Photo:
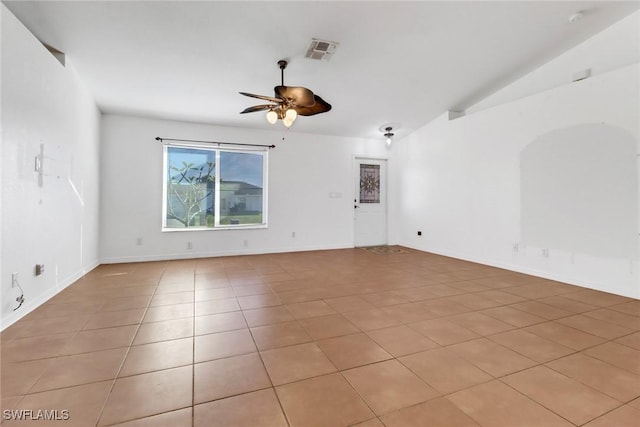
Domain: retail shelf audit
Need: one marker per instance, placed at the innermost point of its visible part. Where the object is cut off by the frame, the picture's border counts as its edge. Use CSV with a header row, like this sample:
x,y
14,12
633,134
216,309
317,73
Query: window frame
x,y
264,152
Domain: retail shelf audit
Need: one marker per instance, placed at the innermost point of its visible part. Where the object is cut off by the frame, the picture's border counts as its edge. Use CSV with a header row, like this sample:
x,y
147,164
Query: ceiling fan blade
x,y
320,106
266,98
258,108
298,96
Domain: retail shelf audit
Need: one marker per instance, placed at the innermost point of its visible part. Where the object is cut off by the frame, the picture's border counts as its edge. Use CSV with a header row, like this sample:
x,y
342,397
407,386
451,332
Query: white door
x,y
370,202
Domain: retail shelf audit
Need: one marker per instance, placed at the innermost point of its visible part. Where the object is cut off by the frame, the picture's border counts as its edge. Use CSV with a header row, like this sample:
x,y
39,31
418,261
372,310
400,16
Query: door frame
x,y
354,169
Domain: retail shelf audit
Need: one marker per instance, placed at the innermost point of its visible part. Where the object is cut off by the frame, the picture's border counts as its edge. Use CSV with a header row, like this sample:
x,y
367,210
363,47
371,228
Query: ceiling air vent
x,y
321,49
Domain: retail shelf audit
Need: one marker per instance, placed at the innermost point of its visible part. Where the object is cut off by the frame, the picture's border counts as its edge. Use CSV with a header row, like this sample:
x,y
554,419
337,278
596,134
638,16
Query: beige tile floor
x,y
327,338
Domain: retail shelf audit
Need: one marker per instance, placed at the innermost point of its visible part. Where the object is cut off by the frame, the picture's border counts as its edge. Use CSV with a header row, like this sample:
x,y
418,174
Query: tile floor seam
x,y
286,417
577,330
140,418
355,390
590,386
66,387
144,417
606,413
493,376
582,350
551,410
573,351
332,290
115,379
92,351
609,363
28,393
306,378
193,354
441,396
548,320
615,340
242,393
444,345
39,376
488,380
613,324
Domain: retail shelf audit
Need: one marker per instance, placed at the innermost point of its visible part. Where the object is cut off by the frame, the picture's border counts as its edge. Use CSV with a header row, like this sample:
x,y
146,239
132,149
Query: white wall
x,y
460,181
55,224
303,171
579,191
616,47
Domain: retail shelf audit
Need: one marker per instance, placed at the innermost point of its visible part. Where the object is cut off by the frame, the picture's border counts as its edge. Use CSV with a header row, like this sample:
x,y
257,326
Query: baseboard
x,y
211,254
521,269
41,299
32,304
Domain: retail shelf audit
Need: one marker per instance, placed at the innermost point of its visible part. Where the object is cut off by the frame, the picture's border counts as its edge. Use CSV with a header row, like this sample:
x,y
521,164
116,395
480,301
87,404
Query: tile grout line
x,y
113,383
470,310
193,354
273,387
544,406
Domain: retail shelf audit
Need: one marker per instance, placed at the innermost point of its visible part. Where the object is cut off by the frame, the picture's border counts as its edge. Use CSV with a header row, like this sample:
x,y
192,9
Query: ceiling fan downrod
x,y
282,64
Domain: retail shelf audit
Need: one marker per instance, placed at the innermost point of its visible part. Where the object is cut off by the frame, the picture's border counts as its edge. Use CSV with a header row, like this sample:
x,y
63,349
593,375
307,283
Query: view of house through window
x,y
211,188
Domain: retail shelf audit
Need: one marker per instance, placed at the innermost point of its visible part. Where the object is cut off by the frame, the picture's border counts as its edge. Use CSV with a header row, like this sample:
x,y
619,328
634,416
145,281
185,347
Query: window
x,y
207,188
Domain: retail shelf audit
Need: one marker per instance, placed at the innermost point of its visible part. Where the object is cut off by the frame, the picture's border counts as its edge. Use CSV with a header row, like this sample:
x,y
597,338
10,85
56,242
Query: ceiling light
x,y
287,122
389,130
272,116
388,134
289,117
291,114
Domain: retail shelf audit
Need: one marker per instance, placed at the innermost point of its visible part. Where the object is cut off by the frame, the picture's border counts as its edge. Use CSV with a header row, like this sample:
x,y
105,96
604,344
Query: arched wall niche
x,y
579,191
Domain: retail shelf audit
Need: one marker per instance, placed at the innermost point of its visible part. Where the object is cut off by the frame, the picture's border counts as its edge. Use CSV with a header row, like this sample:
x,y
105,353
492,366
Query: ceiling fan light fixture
x,y
272,117
291,114
289,102
287,122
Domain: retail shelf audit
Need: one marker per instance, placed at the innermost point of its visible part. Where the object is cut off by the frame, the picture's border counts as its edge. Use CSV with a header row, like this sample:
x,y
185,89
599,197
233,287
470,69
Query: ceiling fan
x,y
289,102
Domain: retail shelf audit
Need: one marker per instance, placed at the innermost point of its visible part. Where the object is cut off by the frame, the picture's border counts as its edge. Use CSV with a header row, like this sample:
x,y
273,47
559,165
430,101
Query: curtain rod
x,y
214,142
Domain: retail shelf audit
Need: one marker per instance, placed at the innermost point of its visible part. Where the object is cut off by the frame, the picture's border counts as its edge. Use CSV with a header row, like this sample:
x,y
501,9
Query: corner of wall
x,y
593,57
48,216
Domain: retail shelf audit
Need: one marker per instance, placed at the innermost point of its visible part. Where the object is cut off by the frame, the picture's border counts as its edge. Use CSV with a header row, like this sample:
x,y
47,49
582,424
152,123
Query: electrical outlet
x,y
14,278
293,234
246,243
39,269
516,247
139,241
545,253
189,245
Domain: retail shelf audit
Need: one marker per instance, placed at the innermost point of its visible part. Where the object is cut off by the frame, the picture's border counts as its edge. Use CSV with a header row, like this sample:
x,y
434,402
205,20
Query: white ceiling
x,y
399,62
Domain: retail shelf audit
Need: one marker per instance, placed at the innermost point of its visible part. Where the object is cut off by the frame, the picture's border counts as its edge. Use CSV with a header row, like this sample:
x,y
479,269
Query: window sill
x,y
220,228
